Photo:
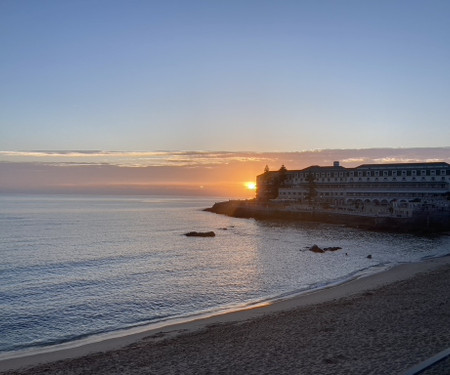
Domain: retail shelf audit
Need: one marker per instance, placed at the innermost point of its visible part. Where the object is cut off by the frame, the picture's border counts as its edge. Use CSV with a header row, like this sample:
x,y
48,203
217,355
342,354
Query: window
x,y
423,173
385,173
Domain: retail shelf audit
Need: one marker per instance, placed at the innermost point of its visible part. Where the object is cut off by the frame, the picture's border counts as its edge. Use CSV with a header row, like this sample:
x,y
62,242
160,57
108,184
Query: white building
x,y
396,187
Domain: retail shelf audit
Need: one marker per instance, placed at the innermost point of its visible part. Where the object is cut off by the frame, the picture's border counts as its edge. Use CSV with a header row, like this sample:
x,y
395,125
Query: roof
x,y
314,168
413,165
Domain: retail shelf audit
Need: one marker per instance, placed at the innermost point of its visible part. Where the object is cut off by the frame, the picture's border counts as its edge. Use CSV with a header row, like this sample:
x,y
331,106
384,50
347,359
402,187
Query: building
x,y
391,187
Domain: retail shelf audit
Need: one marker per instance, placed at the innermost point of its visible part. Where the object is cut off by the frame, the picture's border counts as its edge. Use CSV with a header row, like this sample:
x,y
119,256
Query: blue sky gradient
x,y
224,75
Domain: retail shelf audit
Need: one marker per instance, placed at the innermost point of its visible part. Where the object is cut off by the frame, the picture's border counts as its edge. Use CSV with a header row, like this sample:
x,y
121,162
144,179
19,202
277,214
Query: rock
x,y
316,249
200,234
369,256
334,248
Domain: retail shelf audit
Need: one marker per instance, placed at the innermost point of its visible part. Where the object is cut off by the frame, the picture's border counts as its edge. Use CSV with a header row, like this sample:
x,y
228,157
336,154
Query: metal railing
x,y
430,364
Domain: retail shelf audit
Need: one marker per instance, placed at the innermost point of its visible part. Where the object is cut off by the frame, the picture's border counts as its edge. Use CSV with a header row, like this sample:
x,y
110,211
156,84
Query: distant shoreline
x,y
173,331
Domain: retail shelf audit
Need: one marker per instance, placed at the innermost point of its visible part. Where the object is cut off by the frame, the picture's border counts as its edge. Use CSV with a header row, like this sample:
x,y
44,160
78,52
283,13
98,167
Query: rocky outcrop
x,y
316,249
426,222
333,248
200,234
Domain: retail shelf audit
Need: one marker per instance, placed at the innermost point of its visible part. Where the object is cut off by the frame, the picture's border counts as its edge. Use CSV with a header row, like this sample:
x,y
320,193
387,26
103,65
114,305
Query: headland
x,y
401,197
422,222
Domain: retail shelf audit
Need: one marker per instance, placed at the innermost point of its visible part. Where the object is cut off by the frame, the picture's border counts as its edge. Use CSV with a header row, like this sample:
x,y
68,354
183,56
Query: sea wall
x,y
420,223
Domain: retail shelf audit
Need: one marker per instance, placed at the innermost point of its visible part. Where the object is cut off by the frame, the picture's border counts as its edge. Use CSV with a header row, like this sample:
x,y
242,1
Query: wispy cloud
x,y
217,158
131,158
219,172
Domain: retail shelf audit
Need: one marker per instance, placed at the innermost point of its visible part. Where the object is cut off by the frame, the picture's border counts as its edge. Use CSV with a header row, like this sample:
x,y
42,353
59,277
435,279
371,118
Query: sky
x,y
198,96
224,75
193,173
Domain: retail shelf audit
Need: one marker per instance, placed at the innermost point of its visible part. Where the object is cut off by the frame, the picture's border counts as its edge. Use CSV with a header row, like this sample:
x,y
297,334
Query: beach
x,y
379,324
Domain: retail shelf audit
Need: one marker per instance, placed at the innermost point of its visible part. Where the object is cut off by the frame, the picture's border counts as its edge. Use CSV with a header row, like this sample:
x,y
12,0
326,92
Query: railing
x,y
436,365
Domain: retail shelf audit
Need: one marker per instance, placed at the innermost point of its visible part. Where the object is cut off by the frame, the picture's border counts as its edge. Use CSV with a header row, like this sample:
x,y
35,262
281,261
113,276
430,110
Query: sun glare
x,y
250,185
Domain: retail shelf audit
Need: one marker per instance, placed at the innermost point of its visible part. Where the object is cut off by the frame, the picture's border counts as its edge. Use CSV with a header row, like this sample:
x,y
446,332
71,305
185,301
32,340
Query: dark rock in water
x,y
316,249
223,228
200,234
369,256
333,248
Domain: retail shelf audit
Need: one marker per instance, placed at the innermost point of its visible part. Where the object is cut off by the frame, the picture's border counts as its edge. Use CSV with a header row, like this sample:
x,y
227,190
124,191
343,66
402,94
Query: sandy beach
x,y
379,324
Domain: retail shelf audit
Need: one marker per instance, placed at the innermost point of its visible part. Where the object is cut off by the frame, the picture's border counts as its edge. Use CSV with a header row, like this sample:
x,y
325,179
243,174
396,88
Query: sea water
x,y
77,266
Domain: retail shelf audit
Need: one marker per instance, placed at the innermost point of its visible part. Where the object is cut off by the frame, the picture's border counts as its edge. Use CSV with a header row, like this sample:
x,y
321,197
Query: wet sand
x,y
380,324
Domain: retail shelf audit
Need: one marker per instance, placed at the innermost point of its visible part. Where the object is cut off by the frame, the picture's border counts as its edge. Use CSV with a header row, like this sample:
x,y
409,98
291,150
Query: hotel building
x,y
383,185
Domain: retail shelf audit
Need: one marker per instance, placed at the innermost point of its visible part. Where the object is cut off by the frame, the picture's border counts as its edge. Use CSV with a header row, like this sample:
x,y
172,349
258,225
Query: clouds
x,y
179,172
192,159
133,158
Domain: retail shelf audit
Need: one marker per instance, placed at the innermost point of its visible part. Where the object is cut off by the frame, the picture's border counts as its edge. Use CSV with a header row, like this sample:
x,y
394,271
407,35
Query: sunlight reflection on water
x,y
76,266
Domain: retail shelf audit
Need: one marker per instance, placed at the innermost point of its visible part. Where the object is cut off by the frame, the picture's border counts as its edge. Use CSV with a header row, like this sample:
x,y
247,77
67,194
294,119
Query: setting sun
x,y
250,185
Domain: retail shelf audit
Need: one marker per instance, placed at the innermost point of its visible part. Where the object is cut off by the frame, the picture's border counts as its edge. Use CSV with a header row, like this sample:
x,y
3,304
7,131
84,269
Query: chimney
x,y
336,164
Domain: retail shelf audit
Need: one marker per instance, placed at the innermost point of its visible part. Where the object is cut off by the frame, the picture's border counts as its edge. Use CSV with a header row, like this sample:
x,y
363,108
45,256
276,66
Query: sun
x,y
250,185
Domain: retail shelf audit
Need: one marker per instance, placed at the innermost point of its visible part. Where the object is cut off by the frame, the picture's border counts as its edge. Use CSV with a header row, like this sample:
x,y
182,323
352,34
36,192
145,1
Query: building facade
x,y
387,185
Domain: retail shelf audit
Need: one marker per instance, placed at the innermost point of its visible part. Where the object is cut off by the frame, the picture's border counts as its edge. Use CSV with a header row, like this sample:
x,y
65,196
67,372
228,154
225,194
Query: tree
x,y
282,175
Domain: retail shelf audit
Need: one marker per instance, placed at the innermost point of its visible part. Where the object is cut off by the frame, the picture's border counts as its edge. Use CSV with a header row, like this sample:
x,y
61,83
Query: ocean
x,y
73,267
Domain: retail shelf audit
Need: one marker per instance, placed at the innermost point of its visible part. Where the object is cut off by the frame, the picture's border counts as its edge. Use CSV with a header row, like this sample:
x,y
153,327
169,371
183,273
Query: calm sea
x,y
77,266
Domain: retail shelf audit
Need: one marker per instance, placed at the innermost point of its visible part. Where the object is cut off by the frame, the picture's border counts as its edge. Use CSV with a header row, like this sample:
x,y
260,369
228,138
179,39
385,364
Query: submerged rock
x,y
316,249
333,248
200,234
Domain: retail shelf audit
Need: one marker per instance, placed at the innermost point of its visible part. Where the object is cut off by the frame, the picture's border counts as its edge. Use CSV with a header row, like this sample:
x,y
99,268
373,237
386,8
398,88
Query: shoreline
x,y
121,340
420,223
